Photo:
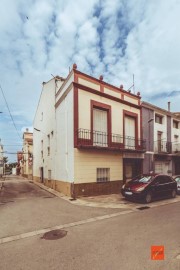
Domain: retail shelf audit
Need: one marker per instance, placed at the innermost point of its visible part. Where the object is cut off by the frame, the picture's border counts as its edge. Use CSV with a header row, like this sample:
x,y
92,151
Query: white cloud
x,y
114,38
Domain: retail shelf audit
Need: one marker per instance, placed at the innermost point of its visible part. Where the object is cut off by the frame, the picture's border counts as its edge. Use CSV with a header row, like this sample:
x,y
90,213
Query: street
x,y
94,237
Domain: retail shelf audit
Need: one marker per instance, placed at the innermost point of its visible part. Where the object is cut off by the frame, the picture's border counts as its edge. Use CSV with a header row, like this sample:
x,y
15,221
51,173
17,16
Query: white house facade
x,y
87,135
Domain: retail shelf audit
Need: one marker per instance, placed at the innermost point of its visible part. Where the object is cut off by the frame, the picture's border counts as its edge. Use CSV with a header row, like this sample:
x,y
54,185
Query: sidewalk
x,y
104,201
116,201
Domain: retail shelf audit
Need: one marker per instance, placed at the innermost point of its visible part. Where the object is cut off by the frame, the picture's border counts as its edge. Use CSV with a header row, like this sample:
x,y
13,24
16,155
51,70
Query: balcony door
x,y
159,139
100,127
129,132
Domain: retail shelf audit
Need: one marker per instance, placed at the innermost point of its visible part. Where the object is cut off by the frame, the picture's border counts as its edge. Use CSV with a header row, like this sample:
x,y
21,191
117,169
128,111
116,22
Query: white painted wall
x,y
65,85
45,122
175,132
160,127
65,139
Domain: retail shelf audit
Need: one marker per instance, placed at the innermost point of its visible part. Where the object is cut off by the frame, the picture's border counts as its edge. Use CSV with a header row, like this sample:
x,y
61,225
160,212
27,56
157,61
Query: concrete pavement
x,y
116,201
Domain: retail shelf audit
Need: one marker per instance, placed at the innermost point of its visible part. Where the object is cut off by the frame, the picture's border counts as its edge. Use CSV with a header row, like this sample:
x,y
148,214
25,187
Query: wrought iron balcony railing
x,y
162,147
175,148
95,139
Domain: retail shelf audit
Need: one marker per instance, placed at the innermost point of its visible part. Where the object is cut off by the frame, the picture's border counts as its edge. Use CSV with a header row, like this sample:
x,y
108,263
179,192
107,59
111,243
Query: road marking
x,y
69,225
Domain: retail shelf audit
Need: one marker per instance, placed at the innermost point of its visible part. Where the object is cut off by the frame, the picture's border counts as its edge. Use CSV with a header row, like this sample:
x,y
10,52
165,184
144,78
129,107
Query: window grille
x,y
103,175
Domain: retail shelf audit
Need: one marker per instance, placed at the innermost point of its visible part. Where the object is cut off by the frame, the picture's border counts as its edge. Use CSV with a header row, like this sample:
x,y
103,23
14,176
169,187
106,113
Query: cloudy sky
x,y
115,38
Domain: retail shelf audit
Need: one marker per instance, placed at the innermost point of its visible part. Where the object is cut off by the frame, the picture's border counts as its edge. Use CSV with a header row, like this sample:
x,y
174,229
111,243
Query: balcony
x,y
162,147
101,140
176,148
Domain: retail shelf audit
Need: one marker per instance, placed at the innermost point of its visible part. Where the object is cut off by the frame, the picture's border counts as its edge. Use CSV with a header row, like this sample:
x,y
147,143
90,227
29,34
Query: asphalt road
x,y
119,242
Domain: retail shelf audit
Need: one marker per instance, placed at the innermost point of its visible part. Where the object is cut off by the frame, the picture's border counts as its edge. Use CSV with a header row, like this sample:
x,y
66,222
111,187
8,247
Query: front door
x,y
131,168
42,174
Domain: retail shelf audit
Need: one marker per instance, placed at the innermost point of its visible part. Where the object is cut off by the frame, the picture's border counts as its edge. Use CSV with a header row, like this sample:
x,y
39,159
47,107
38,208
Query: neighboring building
x,y
27,158
19,162
87,135
161,128
1,159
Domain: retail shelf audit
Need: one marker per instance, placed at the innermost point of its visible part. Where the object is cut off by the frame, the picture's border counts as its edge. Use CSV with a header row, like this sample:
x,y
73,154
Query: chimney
x,y
169,106
27,129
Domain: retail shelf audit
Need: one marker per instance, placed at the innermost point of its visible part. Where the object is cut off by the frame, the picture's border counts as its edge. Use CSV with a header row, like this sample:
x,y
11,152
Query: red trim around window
x,y
104,107
135,117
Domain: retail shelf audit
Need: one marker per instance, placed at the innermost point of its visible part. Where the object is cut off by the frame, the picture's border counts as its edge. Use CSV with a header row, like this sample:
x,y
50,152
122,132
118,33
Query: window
x,y
130,132
175,124
158,119
41,154
163,179
100,132
48,150
103,175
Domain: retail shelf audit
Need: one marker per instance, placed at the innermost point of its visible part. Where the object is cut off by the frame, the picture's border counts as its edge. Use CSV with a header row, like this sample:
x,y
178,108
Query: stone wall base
x,y
84,189
93,189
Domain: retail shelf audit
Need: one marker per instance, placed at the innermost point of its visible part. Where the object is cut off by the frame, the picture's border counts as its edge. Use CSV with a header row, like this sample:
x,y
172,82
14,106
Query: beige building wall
x,y
86,163
112,93
84,99
131,99
93,85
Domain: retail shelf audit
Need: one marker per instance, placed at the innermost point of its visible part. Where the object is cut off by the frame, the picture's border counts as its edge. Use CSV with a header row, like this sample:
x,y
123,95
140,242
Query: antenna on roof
x,y
132,86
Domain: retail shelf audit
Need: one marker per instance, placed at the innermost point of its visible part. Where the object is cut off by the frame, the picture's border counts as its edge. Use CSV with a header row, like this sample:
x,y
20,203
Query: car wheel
x,y
148,197
173,193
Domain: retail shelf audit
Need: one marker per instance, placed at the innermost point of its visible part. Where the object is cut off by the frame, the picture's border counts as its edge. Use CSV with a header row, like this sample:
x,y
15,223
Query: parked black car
x,y
147,187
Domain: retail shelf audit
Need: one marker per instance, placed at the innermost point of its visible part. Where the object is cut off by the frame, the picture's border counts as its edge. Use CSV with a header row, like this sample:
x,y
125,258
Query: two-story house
x,y
161,128
97,136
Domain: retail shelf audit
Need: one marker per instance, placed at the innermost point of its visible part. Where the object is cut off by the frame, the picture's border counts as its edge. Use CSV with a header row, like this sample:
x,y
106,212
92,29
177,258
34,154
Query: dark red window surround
x,y
135,117
105,107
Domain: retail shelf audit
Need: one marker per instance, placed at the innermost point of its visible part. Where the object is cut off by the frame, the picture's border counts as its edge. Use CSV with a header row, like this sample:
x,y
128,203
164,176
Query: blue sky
x,y
114,38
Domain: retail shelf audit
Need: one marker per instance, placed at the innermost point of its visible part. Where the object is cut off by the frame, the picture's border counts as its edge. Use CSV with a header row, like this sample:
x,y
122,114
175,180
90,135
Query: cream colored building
x,y
87,135
27,155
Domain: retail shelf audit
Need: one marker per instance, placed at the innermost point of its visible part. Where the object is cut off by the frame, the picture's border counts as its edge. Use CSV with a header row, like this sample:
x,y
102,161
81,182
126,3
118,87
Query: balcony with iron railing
x,y
97,139
164,147
175,148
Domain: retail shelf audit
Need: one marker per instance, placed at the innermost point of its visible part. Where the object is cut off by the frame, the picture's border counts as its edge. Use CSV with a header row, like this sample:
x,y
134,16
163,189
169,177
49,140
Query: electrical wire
x,y
10,112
